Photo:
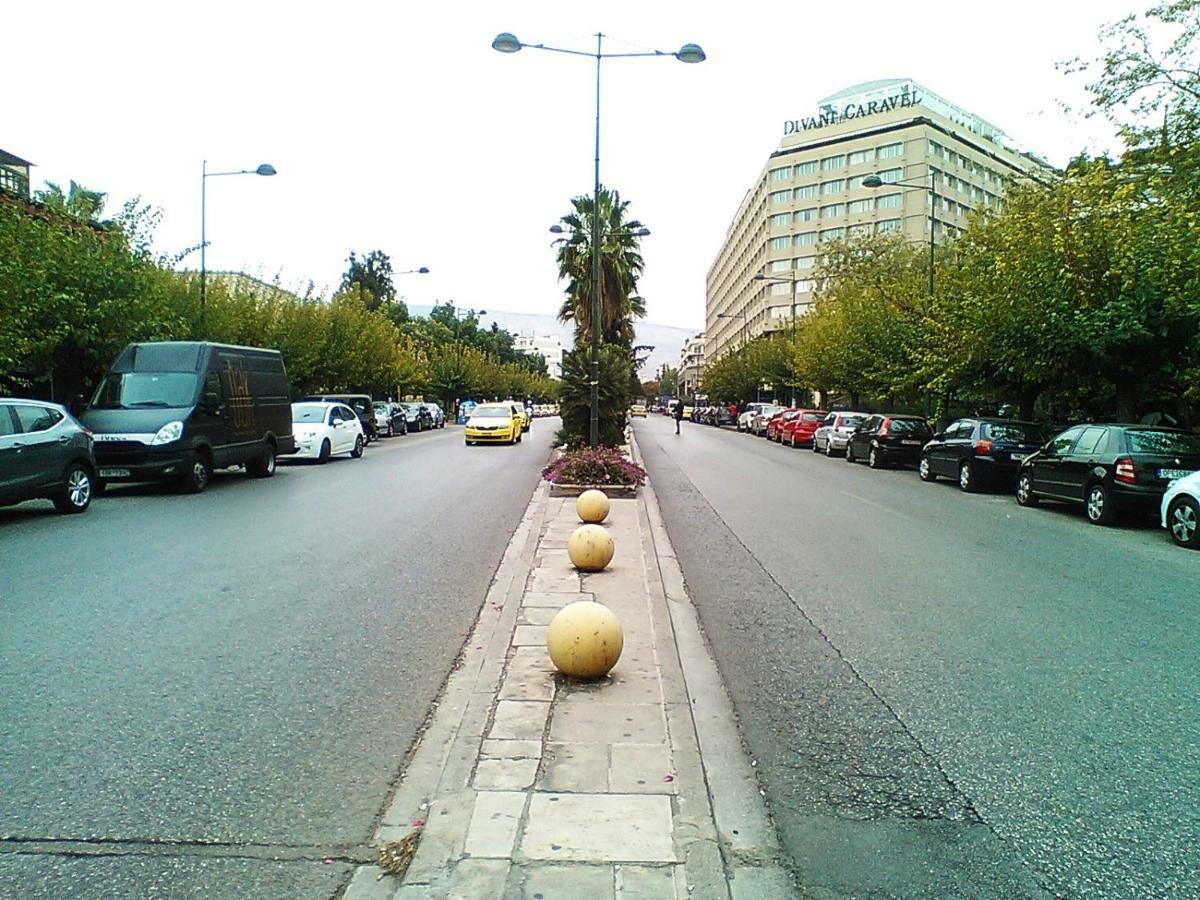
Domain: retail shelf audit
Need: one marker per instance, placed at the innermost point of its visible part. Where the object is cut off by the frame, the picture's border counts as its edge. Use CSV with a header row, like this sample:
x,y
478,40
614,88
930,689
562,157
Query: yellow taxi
x,y
638,409
687,412
494,423
526,415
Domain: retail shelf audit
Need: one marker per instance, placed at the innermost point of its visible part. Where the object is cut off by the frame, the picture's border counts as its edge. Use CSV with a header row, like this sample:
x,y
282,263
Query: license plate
x,y
1174,474
911,443
1018,457
114,473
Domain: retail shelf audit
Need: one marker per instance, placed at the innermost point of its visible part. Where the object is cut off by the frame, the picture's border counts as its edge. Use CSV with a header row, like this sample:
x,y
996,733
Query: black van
x,y
176,410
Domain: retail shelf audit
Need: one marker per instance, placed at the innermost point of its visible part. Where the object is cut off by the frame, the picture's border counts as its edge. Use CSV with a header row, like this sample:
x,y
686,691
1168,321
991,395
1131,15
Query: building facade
x,y
14,174
811,190
549,347
691,366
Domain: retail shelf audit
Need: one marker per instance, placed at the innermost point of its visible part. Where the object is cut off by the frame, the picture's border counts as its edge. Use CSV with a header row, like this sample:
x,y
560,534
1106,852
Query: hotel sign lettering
x,y
831,116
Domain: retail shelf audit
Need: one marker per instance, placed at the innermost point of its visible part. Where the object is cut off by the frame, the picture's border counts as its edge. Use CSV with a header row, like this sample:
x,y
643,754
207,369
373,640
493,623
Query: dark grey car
x,y
44,454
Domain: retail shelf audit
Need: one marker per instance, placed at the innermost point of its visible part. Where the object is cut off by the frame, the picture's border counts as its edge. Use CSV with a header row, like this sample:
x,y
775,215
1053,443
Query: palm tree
x,y
620,267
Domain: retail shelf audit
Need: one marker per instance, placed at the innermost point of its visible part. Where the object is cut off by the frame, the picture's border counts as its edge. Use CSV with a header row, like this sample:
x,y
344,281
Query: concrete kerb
x,y
749,844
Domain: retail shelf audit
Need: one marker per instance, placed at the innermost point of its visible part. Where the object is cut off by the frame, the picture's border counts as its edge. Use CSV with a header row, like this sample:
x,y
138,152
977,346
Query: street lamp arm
x,y
598,55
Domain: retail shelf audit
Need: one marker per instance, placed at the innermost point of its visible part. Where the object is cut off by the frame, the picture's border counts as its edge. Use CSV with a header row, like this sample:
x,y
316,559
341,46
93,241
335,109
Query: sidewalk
x,y
527,784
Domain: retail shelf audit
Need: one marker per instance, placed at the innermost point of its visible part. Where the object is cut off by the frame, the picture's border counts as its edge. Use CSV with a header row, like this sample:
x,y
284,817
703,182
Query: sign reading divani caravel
x,y
830,116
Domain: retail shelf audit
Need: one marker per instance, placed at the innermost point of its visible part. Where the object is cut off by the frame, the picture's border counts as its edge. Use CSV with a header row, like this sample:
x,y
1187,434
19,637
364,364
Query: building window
x,y
891,151
781,220
781,243
779,197
806,239
833,187
883,226
832,234
833,163
783,174
962,210
806,190
890,176
862,206
860,230
807,168
780,288
806,215
780,265
858,157
855,182
805,262
833,210
806,286
889,201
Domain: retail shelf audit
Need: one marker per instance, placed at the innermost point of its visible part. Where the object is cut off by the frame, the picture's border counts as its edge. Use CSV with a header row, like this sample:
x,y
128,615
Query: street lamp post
x,y
688,53
264,169
734,316
470,313
791,279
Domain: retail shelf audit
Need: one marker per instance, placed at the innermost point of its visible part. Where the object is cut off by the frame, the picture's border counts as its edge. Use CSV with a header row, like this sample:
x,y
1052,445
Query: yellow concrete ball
x,y
592,506
591,548
585,639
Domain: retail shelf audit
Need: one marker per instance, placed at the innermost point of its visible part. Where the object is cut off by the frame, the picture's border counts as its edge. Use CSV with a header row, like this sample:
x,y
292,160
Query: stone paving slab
x,y
599,828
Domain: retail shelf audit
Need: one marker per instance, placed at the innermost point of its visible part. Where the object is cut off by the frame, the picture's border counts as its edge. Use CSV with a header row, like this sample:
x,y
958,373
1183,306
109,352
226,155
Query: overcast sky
x,y
394,125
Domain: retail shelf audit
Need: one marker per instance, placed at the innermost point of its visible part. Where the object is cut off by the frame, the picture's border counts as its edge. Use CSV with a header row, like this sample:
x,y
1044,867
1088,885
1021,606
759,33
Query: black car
x,y
176,410
419,418
888,440
44,454
363,406
390,419
1109,469
723,416
976,452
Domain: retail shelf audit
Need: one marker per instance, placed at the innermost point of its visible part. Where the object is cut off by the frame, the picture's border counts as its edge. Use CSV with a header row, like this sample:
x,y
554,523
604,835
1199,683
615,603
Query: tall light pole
x,y
791,279
264,169
745,321
688,53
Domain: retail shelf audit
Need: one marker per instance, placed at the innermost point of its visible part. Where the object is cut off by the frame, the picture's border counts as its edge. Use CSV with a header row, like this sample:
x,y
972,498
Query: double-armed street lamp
x,y
792,280
745,321
264,169
688,53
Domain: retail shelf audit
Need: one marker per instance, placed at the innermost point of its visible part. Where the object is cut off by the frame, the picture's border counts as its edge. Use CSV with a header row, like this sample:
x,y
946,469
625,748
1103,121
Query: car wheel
x,y
264,465
925,470
849,454
197,475
1025,494
1100,510
966,477
1183,518
323,454
357,452
76,493
875,458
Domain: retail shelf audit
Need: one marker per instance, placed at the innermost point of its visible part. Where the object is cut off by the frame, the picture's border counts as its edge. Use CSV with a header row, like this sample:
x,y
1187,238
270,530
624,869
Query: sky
x,y
395,126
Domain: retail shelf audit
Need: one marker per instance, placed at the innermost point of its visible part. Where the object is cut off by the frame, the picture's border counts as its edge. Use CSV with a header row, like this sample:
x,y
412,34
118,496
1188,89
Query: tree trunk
x,y
1029,396
1126,399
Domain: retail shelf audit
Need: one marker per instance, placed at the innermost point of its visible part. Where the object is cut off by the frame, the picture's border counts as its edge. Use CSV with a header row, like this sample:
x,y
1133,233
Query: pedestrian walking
x,y
678,414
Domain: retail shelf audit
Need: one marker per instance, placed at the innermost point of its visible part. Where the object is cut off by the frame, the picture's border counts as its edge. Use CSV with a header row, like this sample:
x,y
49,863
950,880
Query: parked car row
x,y
175,411
1106,469
714,415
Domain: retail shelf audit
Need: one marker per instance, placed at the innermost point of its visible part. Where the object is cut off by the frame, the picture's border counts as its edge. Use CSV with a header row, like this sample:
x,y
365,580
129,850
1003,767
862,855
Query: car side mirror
x,y
337,422
212,401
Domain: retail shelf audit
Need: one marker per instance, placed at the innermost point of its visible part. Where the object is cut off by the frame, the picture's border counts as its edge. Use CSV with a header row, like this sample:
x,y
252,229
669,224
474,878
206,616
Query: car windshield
x,y
788,416
312,413
1163,442
492,412
381,408
813,417
907,426
142,390
1016,433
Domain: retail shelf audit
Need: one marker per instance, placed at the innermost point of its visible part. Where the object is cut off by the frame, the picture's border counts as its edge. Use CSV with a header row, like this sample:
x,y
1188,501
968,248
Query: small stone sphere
x,y
585,639
592,506
591,548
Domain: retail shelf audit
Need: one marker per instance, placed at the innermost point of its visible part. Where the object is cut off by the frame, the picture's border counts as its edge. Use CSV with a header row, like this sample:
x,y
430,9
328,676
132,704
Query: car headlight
x,y
172,431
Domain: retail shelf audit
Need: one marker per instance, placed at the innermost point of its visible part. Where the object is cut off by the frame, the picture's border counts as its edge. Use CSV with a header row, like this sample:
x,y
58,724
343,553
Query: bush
x,y
598,467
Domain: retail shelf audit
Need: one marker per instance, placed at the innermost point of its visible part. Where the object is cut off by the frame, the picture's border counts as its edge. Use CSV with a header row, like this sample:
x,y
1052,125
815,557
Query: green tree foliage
x,y
373,274
615,395
742,375
77,201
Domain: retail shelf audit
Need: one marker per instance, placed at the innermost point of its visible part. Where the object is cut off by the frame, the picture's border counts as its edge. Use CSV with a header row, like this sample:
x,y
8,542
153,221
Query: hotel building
x,y
811,191
691,367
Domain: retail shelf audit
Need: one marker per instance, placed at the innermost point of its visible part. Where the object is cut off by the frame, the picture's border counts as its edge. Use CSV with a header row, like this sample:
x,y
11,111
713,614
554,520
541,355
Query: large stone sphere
x,y
585,639
591,548
592,506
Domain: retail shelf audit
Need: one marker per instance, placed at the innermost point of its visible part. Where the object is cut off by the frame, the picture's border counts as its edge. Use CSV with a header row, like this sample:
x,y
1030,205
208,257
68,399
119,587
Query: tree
x,y
373,273
620,267
77,202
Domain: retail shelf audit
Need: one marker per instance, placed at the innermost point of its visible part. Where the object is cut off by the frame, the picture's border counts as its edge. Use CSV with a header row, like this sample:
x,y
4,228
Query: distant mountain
x,y
667,340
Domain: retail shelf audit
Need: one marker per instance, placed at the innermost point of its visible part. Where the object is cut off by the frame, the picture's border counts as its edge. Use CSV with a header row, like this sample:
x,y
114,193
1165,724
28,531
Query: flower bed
x,y
588,468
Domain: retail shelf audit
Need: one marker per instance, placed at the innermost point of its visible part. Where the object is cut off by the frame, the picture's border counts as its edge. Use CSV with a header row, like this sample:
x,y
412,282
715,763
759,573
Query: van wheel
x,y
197,475
357,452
76,492
264,465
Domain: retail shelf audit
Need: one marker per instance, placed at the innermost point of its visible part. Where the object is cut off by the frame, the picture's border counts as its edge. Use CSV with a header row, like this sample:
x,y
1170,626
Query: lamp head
x,y
482,312
265,169
556,229
759,277
872,181
506,43
423,270
690,53
642,232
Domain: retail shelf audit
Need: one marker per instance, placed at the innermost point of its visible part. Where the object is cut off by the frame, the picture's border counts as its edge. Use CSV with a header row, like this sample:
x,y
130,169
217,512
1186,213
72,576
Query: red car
x,y
798,431
777,421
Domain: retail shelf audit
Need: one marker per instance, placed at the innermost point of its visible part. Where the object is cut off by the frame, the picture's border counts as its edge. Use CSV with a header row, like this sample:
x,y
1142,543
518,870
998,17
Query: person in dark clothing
x,y
678,414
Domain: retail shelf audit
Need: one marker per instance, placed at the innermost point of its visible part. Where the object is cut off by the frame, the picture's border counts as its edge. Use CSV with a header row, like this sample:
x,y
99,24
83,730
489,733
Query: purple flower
x,y
594,467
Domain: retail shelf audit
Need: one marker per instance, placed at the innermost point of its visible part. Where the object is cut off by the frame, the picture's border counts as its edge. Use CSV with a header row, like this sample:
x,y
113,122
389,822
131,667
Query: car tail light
x,y
983,448
1125,471
883,429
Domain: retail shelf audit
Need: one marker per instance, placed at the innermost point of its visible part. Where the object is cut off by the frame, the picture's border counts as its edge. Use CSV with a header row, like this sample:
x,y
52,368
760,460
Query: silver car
x,y
834,433
758,422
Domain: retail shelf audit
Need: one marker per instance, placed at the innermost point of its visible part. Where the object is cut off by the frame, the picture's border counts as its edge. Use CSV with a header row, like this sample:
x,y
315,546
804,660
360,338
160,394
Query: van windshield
x,y
145,390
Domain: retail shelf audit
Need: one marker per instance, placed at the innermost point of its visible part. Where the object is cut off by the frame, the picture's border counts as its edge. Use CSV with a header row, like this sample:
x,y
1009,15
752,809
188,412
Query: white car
x,y
747,416
834,433
1181,511
325,429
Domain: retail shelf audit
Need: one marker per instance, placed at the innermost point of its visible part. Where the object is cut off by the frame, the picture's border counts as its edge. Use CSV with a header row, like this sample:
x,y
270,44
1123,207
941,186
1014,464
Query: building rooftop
x,y
11,159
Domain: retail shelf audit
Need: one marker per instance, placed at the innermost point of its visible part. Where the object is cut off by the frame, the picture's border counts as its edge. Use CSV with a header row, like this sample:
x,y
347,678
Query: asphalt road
x,y
212,695
946,694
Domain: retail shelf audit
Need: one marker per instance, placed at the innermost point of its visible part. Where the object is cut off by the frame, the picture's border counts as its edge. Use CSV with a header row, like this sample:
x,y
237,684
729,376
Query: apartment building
x,y
811,190
548,346
691,366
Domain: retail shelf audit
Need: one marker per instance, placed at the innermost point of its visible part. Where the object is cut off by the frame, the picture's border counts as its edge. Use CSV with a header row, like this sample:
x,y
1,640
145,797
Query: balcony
x,y
14,182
